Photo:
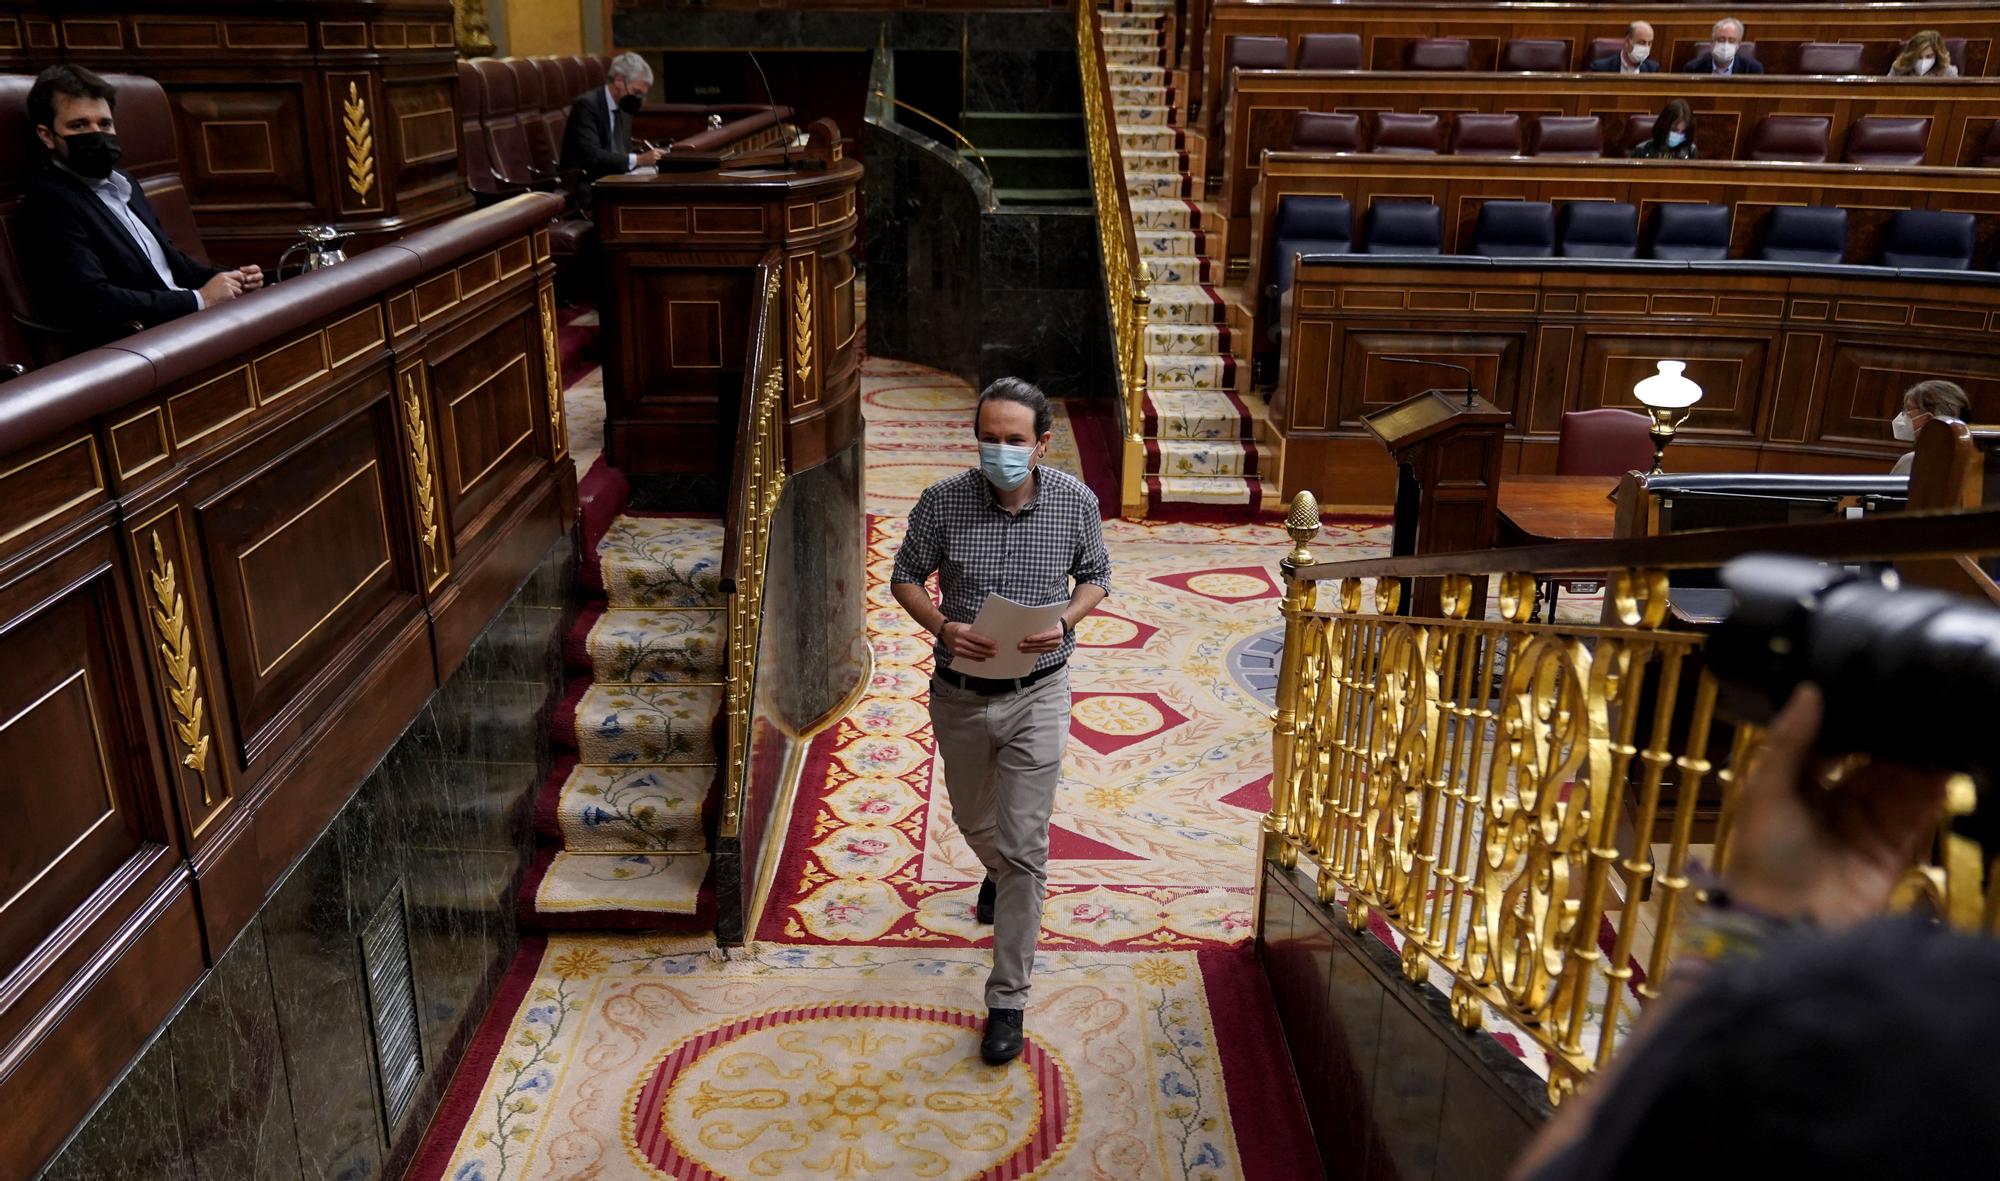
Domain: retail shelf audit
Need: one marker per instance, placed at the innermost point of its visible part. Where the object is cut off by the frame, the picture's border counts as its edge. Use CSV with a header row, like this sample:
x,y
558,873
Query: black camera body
x,y
1911,676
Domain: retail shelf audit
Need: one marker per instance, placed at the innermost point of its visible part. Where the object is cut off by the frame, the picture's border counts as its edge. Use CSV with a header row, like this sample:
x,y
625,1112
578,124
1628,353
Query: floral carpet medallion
x,y
636,1057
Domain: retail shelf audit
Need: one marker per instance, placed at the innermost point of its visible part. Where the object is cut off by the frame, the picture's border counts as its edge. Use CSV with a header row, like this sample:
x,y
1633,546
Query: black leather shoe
x,y
983,912
1002,1043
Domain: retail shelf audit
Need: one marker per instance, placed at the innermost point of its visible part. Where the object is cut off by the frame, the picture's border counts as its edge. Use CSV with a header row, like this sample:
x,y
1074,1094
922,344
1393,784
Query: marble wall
x,y
1042,301
267,1072
921,226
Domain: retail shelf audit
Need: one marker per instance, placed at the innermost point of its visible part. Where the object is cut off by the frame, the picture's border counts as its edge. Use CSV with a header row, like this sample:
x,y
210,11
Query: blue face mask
x,y
1676,138
1004,464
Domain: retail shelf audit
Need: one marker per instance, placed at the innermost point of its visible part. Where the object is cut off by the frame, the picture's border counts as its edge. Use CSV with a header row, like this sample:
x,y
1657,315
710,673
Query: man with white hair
x,y
1724,55
598,139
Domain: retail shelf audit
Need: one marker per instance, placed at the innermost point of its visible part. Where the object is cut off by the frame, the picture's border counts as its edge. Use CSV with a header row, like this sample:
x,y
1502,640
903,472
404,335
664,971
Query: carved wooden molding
x,y
416,435
360,133
177,657
802,324
558,430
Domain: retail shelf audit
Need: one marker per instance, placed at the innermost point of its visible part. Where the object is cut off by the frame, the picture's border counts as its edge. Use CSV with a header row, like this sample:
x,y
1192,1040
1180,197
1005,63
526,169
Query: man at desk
x,y
98,259
598,138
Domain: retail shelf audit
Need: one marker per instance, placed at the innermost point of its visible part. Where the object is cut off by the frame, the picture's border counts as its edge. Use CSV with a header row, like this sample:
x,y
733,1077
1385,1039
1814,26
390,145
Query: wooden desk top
x,y
1538,509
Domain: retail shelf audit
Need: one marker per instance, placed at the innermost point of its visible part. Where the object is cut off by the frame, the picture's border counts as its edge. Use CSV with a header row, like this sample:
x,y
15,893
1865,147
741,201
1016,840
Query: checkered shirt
x,y
959,532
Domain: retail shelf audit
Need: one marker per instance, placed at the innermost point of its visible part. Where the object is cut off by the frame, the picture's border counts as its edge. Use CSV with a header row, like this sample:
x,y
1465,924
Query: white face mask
x,y
1904,430
1723,52
1639,53
1925,63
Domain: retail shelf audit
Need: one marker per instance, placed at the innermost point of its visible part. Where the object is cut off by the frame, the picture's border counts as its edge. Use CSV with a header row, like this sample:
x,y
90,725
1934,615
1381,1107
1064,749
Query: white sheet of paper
x,y
1007,623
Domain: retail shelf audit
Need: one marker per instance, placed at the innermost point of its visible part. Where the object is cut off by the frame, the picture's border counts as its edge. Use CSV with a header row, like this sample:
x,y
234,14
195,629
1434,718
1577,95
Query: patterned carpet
x,y
1201,422
844,1041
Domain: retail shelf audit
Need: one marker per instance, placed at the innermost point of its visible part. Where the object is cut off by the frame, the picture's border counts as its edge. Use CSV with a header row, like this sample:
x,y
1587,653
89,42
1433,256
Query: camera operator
x,y
1801,1035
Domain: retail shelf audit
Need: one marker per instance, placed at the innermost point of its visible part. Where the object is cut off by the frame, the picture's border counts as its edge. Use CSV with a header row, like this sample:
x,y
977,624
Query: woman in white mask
x,y
1924,56
1922,402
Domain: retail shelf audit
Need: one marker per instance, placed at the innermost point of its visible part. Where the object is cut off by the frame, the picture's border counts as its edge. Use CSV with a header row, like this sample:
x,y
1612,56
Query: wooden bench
x,y
1388,30
1962,112
1802,368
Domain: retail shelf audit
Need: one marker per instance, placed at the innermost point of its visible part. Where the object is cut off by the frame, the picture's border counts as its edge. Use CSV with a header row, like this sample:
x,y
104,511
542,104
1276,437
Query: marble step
x,y
662,562
1176,304
578,884
1197,414
647,723
1181,372
643,645
1024,129
644,809
1221,457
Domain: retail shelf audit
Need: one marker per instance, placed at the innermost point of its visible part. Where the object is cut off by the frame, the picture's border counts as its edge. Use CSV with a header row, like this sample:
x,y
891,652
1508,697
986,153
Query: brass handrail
x,y
967,144
1124,272
1496,789
755,488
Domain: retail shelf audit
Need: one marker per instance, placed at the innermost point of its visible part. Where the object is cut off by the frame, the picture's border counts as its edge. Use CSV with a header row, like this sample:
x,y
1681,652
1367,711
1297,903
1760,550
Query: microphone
x,y
1470,393
784,137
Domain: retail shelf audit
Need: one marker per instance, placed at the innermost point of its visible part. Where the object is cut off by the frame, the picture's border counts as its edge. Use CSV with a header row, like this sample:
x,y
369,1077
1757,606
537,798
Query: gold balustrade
x,y
757,489
1124,273
1524,803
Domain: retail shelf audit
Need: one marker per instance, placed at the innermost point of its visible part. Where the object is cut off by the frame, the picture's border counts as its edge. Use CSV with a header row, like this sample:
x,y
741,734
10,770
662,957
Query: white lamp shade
x,y
1669,389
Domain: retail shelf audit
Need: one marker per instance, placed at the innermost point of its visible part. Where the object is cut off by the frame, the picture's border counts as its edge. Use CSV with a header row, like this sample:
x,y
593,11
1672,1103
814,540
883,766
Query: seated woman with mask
x,y
1673,135
1924,56
1921,403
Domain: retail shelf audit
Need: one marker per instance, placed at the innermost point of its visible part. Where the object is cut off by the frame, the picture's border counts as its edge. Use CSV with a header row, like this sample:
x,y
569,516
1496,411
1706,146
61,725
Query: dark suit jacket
x,y
591,144
84,269
1609,63
1706,65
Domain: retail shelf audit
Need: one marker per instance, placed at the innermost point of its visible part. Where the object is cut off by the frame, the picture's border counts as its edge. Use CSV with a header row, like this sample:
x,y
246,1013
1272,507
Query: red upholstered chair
x,y
1255,53
1799,138
507,142
1441,53
1888,140
543,150
593,72
1478,134
1541,55
575,82
1400,134
475,154
1578,136
1639,128
1955,46
1326,131
1608,442
1330,51
555,106
1989,148
1606,46
1829,57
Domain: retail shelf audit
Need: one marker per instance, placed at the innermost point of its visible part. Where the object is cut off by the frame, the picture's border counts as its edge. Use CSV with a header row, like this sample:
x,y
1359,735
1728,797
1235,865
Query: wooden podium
x,y
1446,444
681,252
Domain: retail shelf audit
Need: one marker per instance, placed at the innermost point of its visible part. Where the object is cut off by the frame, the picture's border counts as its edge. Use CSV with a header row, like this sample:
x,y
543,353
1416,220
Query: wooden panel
x,y
1729,370
51,486
488,399
303,559
138,442
242,144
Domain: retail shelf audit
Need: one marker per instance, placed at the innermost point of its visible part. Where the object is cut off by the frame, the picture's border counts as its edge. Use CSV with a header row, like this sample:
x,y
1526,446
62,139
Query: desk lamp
x,y
1667,395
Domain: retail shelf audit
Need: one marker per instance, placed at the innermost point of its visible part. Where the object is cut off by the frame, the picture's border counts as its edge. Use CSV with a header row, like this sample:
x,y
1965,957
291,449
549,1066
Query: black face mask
x,y
631,103
92,153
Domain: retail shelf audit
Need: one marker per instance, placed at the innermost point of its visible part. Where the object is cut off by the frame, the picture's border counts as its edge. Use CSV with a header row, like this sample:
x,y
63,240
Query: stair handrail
x,y
954,132
1124,274
756,484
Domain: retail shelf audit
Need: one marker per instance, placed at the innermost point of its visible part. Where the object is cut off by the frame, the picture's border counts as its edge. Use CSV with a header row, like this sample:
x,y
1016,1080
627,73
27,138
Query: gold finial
x,y
1302,522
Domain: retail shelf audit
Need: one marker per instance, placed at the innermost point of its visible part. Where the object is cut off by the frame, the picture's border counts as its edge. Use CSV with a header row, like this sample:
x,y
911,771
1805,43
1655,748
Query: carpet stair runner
x,y
1202,426
624,817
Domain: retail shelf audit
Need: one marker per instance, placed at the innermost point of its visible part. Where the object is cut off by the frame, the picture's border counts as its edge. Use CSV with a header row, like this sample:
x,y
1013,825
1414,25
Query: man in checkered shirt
x,y
1030,533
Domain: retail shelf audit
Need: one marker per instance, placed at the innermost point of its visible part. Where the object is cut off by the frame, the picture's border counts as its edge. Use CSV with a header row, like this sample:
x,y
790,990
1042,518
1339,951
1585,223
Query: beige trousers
x,y
1002,759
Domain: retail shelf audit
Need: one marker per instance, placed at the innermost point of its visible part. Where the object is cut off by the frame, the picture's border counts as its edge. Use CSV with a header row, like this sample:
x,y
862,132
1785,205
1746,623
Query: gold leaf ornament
x,y
802,324
183,677
360,142
420,465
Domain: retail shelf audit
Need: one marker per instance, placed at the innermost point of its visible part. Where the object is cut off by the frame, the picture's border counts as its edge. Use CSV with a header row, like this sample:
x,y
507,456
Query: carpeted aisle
x,y
844,1042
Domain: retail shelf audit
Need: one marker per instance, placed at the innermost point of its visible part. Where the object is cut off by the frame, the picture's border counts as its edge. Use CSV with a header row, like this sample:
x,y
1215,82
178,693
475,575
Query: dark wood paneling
x,y
1799,372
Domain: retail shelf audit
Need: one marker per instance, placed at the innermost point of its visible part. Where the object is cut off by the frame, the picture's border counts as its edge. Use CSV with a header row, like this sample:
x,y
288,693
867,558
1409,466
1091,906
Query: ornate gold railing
x,y
756,486
1124,273
1524,803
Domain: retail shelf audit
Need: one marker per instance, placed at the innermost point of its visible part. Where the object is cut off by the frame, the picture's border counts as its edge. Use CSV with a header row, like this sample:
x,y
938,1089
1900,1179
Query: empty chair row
x,y
1886,140
1343,51
512,115
1685,232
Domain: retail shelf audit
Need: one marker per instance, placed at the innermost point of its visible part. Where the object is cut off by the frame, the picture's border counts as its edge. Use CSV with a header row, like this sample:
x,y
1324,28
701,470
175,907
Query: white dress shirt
x,y
115,191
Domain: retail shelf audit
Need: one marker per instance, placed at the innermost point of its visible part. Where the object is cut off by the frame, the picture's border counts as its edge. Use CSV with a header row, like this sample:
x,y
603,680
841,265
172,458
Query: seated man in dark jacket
x,y
597,141
1724,56
1634,57
97,257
